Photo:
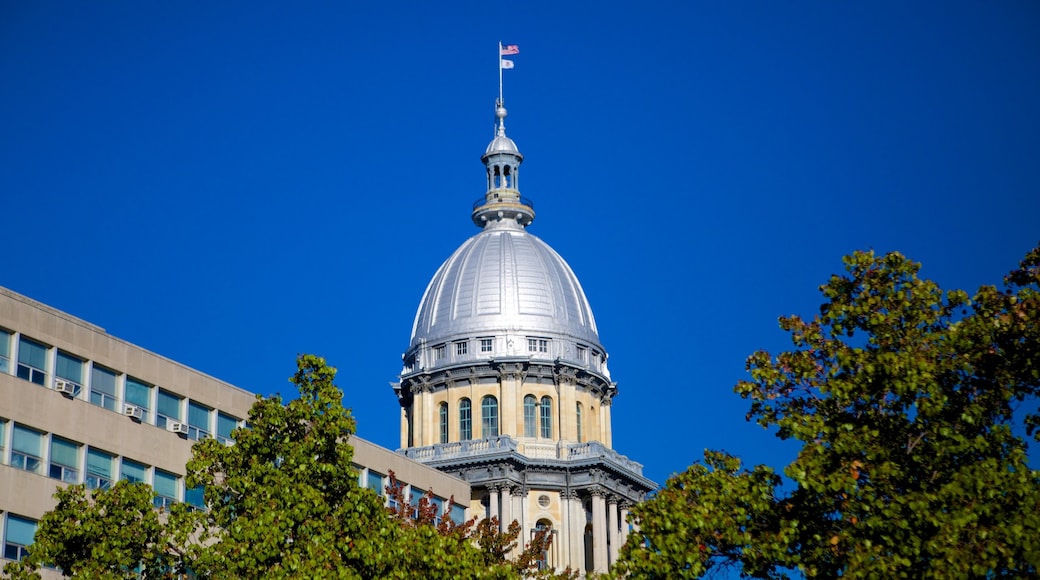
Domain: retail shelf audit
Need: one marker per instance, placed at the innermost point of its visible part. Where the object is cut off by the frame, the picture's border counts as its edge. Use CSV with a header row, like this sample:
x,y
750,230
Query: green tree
x,y
908,404
101,534
283,501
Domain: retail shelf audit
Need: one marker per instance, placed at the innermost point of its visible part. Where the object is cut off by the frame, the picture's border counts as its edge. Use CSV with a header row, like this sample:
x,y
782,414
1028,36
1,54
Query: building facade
x,y
505,383
79,406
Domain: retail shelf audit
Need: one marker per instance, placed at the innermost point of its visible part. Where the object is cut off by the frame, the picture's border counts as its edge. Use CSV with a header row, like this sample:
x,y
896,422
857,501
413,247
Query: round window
x,y
543,500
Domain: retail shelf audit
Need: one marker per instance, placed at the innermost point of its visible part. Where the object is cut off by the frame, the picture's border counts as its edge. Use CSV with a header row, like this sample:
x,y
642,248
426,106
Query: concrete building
x,y
78,405
505,383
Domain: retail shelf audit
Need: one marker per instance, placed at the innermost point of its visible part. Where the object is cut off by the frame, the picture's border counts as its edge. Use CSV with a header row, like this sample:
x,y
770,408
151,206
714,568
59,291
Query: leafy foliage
x,y
906,401
495,546
283,501
101,534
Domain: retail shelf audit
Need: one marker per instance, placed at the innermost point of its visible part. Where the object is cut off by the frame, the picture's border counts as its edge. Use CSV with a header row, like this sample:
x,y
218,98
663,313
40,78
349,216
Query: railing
x,y
504,444
482,201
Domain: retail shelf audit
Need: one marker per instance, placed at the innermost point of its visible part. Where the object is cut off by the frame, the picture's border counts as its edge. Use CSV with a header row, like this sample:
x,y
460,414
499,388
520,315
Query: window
x,y
439,352
461,348
132,471
225,425
32,359
26,449
140,395
167,409
546,416
581,435
18,536
375,482
583,354
165,486
195,497
99,469
487,344
489,417
538,345
529,415
3,439
443,411
5,352
64,460
103,388
465,420
69,369
198,421
458,514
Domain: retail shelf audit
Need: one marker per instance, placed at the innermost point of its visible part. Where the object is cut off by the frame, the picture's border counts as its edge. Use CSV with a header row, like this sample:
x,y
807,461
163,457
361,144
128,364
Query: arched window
x,y
547,418
544,526
581,435
529,416
489,417
444,422
465,420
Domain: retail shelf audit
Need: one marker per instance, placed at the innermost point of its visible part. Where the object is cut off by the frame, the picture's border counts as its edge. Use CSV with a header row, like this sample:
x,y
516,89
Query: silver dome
x,y
501,144
504,281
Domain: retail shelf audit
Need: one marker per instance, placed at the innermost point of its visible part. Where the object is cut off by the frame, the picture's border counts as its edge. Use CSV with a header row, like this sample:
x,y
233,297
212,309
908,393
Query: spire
x,y
502,205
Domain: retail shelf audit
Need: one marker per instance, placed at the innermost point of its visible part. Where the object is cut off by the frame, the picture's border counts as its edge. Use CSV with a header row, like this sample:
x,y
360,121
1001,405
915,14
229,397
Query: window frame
x,y
489,417
487,345
530,416
60,470
32,373
105,400
92,479
442,413
465,419
545,418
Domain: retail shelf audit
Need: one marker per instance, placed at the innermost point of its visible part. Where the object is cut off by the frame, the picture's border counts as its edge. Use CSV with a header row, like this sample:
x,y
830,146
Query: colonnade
x,y
587,540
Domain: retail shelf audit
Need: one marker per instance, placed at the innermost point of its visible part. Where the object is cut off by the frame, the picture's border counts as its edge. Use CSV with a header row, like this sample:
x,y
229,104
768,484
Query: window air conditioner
x,y
177,427
64,387
133,411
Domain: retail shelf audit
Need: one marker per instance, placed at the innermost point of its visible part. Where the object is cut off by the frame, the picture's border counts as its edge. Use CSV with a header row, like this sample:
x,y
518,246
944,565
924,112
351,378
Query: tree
x,y
283,501
101,534
495,545
909,405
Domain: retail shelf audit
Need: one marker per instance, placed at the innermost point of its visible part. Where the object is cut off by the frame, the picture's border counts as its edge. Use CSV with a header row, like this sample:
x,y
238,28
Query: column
x,y
599,532
624,521
567,538
506,502
613,532
493,502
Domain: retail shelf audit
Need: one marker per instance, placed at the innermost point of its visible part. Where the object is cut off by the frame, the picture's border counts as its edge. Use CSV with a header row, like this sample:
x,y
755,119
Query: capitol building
x,y
505,398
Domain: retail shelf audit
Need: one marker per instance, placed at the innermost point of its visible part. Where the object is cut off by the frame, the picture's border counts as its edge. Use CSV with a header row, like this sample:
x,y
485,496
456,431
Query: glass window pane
x,y
529,418
375,482
132,471
138,393
458,514
225,425
169,405
165,484
19,530
103,380
69,367
65,453
32,353
99,463
465,420
195,496
489,417
546,418
27,441
3,437
198,416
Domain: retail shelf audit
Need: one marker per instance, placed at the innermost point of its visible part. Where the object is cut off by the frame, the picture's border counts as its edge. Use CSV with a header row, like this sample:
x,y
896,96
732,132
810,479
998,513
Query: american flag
x,y
508,49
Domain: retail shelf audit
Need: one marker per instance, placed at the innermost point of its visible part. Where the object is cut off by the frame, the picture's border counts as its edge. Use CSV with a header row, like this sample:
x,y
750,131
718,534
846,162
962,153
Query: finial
x,y
500,113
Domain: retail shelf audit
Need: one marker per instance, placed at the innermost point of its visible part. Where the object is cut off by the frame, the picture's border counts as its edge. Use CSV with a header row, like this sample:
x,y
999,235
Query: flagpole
x,y
500,103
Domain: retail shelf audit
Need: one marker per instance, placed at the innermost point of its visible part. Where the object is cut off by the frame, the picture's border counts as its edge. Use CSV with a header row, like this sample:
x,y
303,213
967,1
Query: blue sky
x,y
230,184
